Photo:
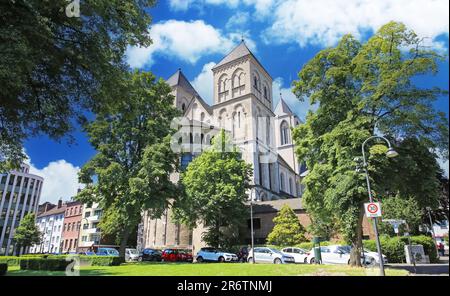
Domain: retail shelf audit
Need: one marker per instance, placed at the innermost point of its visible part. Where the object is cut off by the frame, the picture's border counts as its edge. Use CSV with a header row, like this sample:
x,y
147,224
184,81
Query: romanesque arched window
x,y
285,133
265,92
282,187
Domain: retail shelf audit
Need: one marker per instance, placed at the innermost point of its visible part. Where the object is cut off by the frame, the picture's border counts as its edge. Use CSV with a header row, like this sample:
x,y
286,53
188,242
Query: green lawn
x,y
213,269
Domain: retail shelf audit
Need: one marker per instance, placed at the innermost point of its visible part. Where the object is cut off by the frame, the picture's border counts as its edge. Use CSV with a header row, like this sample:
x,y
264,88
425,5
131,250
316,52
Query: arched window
x,y
255,82
285,133
265,92
263,196
202,116
183,107
282,182
291,187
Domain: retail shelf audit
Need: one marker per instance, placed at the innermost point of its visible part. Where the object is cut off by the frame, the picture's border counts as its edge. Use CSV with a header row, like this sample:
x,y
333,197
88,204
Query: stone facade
x,y
243,107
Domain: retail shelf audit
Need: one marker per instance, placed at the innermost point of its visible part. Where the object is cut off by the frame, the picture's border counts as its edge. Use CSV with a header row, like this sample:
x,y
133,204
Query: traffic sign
x,y
373,209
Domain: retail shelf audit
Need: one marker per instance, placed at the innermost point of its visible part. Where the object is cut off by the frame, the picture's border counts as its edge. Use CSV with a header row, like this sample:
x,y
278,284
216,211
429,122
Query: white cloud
x,y
183,5
323,22
203,83
187,41
60,180
298,107
239,20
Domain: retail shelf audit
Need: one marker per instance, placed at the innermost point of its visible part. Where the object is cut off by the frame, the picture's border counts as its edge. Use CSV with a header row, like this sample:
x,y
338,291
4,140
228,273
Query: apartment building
x,y
72,227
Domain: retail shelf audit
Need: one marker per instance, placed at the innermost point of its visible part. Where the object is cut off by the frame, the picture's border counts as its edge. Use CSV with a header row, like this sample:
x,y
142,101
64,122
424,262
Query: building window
x,y
291,188
284,131
87,214
256,223
282,182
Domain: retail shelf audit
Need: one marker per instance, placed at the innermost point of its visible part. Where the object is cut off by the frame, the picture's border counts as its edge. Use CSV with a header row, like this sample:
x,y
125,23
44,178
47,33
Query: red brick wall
x,y
72,222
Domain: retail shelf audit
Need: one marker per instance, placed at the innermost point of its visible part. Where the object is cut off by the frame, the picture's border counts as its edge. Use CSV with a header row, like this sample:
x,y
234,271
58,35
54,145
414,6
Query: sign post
x,y
373,209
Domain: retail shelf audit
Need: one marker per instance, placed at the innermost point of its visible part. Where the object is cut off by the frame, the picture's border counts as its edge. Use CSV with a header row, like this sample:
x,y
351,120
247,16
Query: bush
x,y
428,244
10,260
38,263
309,245
394,247
3,268
101,260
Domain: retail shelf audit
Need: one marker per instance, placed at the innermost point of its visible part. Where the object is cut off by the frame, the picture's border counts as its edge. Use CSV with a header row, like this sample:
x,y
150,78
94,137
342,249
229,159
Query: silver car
x,y
269,255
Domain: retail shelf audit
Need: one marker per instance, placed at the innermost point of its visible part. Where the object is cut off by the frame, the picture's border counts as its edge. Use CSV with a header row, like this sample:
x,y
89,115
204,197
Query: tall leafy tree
x,y
404,208
361,90
130,172
54,67
215,184
288,231
27,233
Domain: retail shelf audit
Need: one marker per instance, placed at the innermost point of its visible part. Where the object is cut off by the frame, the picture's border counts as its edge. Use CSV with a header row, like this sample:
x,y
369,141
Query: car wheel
x,y
221,259
348,262
277,261
312,261
250,259
140,259
200,259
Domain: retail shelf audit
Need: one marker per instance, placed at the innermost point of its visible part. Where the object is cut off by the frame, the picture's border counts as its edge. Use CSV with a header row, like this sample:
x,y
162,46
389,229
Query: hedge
x,y
101,260
10,260
37,263
3,268
394,247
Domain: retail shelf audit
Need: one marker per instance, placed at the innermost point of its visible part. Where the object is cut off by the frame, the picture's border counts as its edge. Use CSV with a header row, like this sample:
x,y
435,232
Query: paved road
x,y
441,268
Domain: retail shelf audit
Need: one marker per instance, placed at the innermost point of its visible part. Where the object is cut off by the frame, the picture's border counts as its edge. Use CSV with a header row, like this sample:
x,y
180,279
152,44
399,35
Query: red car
x,y
175,255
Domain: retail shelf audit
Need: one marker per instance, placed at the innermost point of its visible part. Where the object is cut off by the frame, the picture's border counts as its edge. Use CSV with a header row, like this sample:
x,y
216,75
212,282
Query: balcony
x,y
93,218
91,230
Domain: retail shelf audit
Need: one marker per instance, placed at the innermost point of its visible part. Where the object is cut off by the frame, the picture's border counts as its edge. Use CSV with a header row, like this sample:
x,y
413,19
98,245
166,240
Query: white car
x,y
334,254
269,255
215,255
131,255
298,254
372,258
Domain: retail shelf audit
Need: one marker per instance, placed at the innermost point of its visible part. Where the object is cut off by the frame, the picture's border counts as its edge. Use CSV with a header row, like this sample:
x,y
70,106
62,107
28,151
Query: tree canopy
x,y
363,89
130,172
54,68
288,231
215,184
27,233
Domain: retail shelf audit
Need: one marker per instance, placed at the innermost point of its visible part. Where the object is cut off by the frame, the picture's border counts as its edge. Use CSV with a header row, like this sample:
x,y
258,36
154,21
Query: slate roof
x,y
282,108
178,79
238,52
54,211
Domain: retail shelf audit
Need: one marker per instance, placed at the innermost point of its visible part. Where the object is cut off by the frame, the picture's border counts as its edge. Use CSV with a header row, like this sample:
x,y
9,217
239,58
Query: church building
x,y
243,107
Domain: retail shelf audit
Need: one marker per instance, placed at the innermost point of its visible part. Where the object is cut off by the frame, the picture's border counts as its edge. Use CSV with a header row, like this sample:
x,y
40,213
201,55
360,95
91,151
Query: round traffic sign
x,y
372,208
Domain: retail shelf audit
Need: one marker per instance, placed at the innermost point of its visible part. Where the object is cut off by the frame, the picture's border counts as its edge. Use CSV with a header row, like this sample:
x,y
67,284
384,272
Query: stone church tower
x,y
243,106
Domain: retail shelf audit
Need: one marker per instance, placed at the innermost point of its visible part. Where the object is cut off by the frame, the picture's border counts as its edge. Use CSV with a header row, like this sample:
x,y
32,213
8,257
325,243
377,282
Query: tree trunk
x,y
123,242
355,254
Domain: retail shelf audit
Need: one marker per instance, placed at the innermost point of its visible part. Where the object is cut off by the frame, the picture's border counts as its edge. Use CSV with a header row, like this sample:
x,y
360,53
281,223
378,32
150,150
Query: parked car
x,y
368,257
243,254
175,255
131,254
87,253
215,255
269,255
150,255
298,254
334,254
107,252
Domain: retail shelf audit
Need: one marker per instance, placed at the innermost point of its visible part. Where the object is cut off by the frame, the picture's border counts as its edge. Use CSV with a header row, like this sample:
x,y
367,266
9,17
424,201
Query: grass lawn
x,y
213,269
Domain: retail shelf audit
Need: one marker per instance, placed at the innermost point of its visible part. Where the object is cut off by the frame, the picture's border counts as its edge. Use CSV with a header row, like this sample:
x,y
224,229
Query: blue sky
x,y
195,34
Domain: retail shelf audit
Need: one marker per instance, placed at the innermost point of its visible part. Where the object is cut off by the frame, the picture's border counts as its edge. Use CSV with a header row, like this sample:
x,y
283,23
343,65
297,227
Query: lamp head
x,y
391,153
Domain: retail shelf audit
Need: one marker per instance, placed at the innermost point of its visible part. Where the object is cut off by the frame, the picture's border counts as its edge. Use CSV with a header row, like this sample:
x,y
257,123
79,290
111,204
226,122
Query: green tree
x,y
54,67
360,90
287,231
27,233
215,184
401,208
130,172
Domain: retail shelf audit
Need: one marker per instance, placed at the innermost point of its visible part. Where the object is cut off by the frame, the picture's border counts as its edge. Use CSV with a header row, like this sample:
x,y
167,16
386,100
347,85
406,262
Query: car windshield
x,y
133,251
275,251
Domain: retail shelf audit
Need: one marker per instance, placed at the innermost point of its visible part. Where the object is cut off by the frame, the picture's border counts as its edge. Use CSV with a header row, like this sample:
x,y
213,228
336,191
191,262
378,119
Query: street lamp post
x,y
390,153
251,224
